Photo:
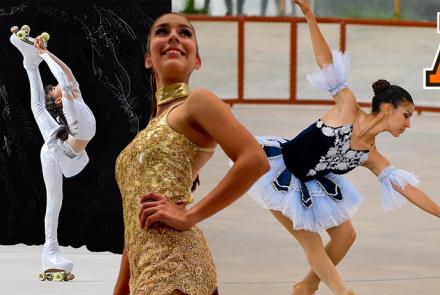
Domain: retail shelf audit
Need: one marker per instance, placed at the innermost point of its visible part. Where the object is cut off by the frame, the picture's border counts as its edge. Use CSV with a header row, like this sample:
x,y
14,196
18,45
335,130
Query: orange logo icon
x,y
431,76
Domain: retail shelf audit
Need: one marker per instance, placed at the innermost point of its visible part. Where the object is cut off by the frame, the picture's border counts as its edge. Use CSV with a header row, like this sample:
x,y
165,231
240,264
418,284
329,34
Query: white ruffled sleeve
x,y
333,77
389,176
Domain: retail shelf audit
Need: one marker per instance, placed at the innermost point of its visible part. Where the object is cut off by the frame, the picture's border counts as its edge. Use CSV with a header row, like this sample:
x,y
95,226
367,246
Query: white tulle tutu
x,y
324,213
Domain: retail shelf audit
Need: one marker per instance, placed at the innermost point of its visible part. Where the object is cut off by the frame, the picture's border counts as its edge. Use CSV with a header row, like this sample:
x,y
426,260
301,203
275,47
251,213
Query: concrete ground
x,y
395,253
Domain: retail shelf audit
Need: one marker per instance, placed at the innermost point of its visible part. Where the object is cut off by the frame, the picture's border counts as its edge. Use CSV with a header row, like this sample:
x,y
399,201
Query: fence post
x,y
293,59
240,59
343,34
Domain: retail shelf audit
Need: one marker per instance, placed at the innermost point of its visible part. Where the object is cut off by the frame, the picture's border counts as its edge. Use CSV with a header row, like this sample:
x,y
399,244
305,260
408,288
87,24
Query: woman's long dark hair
x,y
57,113
153,85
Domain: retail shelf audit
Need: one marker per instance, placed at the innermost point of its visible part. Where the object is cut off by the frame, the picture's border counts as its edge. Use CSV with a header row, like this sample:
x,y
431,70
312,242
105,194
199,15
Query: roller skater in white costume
x,y
67,124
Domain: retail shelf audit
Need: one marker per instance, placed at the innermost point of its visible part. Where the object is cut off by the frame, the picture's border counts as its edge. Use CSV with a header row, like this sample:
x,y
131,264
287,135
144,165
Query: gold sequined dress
x,y
162,259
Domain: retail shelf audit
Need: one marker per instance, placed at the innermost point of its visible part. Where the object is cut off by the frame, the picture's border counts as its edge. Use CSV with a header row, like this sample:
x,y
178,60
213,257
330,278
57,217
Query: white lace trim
x,y
340,156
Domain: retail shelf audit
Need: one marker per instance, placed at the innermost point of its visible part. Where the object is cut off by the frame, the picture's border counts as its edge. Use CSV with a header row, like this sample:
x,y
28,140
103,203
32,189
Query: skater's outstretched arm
x,y
323,54
121,287
400,181
59,69
334,67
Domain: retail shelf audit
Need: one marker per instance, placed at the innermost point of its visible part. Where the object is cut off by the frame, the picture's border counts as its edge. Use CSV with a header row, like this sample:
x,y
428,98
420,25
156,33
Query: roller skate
x,y
57,275
25,44
55,266
23,34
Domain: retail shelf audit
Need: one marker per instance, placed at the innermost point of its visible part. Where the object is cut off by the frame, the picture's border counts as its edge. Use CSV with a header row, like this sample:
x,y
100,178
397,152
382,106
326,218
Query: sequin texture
x,y
162,259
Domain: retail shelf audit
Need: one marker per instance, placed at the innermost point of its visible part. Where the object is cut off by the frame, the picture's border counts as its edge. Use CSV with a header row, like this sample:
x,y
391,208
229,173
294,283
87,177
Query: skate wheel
x,y
45,36
49,277
14,29
21,34
69,277
26,28
42,276
59,276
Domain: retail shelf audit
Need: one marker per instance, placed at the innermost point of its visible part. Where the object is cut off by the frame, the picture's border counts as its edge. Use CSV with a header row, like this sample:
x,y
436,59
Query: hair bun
x,y
380,85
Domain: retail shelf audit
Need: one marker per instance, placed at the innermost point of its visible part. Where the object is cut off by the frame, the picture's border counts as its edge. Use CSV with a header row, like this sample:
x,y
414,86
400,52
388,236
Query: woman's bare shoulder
x,y
203,99
201,93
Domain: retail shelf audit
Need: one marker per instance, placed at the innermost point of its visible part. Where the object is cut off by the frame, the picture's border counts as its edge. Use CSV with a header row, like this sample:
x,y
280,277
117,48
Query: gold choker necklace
x,y
171,92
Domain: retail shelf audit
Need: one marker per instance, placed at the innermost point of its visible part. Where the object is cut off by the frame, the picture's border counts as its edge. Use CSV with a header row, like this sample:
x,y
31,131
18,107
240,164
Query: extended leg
x,y
228,4
31,60
53,179
342,238
240,4
315,253
46,123
263,7
280,7
206,5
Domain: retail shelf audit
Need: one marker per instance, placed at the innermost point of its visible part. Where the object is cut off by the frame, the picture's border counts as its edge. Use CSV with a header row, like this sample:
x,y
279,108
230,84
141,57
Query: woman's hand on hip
x,y
156,208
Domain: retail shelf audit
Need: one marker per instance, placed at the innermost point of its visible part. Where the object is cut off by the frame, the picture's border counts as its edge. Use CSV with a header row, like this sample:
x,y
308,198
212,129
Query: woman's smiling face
x,y
172,52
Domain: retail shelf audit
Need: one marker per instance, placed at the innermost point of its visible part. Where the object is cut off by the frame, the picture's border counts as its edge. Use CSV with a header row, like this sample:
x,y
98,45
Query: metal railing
x,y
293,22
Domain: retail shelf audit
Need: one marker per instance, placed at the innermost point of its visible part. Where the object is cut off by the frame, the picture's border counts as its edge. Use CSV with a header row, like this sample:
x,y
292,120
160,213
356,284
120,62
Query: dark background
x,y
103,42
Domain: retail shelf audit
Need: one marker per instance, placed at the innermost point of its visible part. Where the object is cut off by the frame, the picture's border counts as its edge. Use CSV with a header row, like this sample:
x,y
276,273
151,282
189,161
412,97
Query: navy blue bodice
x,y
321,149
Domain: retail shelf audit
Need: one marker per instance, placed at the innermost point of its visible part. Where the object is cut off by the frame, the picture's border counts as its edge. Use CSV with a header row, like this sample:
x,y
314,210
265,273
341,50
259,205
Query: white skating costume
x,y
305,181
57,156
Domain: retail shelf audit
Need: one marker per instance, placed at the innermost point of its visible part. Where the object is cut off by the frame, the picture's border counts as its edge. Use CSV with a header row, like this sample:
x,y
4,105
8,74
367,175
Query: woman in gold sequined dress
x,y
165,253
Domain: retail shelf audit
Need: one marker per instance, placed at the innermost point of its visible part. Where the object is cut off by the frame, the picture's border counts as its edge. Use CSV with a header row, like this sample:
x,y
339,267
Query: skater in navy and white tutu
x,y
67,124
304,188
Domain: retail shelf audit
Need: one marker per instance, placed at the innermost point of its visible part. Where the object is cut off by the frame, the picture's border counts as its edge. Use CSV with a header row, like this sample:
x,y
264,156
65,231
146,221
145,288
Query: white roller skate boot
x,y
26,48
55,266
